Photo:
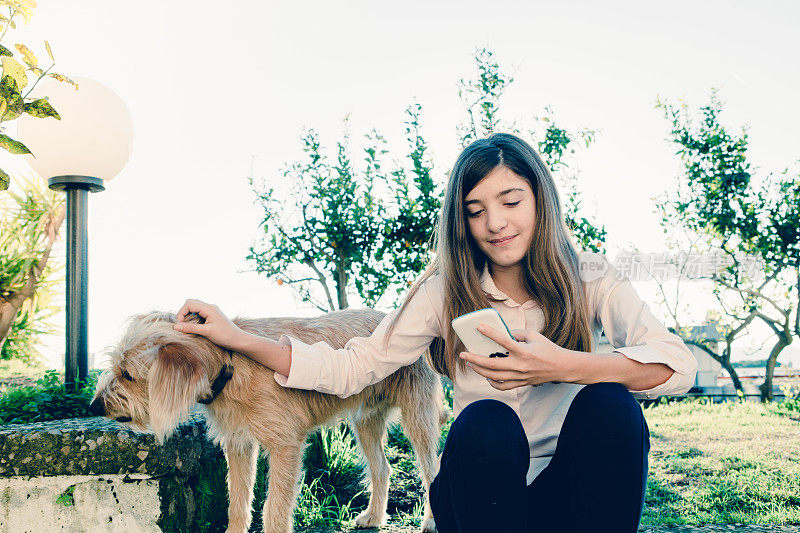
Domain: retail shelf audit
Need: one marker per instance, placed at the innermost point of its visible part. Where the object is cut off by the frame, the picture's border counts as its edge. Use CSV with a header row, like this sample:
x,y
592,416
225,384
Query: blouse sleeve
x,y
637,334
363,360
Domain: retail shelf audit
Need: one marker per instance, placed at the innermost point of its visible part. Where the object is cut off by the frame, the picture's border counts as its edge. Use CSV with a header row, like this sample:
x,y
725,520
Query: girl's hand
x,y
533,360
217,328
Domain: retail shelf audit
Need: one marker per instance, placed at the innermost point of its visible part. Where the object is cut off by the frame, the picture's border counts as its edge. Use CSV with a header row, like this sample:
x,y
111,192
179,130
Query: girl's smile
x,y
503,241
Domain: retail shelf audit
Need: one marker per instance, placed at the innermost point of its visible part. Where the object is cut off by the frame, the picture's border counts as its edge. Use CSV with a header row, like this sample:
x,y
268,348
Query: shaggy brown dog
x,y
158,374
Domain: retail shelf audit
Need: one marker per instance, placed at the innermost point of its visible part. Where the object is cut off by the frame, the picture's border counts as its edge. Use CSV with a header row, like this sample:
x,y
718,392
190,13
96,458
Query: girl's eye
x,y
127,376
476,213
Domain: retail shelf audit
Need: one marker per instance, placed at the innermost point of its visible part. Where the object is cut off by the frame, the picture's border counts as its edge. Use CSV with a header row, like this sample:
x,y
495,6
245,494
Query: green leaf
x,y
10,92
12,67
5,51
41,108
67,498
5,180
15,147
9,87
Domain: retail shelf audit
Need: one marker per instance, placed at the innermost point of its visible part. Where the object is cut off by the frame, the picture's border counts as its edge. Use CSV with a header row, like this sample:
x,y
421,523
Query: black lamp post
x,y
77,349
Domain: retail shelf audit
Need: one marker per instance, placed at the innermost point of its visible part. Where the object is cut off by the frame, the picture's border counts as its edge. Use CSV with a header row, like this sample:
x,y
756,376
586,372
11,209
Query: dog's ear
x,y
173,383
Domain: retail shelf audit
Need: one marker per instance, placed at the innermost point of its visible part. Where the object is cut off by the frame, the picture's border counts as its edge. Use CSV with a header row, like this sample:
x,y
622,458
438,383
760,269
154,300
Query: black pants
x,y
595,481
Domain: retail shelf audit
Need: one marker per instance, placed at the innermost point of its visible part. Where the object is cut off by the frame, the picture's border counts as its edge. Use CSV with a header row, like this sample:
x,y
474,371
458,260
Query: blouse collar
x,y
488,286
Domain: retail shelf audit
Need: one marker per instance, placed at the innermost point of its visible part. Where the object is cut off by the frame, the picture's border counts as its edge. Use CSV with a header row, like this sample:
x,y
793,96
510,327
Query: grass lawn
x,y
722,463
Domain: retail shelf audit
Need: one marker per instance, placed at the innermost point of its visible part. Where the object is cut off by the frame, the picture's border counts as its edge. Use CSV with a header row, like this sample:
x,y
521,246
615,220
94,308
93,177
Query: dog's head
x,y
157,374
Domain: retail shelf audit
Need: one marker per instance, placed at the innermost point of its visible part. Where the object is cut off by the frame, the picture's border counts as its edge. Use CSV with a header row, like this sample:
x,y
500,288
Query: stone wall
x,y
93,474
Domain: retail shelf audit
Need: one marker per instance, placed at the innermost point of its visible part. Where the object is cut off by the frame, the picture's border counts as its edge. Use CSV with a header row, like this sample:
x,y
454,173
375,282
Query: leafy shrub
x,y
790,406
397,439
333,457
317,506
47,400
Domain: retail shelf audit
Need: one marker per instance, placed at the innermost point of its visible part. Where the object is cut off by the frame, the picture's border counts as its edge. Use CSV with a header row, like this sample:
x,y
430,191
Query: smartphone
x,y
476,342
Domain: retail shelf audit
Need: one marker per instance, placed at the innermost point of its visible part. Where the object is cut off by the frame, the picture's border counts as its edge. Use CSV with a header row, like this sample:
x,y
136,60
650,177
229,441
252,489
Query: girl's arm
x,y
276,355
363,361
344,372
647,358
589,368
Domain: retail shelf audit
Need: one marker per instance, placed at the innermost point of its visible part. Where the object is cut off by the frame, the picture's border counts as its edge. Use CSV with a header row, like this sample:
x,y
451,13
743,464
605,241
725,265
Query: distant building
x,y
708,368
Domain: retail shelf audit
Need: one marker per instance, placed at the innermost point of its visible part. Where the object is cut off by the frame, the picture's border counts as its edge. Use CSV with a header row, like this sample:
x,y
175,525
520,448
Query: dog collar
x,y
222,379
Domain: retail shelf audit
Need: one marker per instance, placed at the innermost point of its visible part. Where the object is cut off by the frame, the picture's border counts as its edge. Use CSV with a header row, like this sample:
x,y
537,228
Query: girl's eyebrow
x,y
502,193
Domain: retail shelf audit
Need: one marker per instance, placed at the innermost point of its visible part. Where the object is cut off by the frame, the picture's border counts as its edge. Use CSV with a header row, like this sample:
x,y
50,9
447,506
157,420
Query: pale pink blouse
x,y
617,310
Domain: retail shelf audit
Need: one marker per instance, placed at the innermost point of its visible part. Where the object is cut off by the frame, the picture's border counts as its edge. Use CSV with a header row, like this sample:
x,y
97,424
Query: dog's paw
x,y
369,519
428,526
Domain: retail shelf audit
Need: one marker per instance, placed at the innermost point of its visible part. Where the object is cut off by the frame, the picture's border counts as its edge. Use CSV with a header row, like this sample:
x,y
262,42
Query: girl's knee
x,y
606,394
490,427
610,407
488,414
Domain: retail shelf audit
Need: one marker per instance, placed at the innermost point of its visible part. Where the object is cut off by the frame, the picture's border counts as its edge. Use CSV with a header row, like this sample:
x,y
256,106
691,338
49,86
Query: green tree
x,y
345,227
685,246
755,228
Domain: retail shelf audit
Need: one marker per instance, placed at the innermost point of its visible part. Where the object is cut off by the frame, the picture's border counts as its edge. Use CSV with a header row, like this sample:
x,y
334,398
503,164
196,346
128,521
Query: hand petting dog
x,y
533,359
216,327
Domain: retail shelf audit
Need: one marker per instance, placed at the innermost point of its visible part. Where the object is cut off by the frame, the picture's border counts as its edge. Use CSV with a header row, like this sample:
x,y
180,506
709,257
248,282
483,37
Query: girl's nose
x,y
495,222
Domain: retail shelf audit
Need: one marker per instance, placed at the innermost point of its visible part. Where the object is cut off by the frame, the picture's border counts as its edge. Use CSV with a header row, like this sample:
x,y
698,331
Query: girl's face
x,y
501,212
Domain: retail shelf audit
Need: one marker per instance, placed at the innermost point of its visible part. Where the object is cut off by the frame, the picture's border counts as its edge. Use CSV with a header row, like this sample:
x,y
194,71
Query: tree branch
x,y
757,293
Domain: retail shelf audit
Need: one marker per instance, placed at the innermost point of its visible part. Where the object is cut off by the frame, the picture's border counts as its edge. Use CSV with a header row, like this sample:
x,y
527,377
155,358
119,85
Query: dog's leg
x,y
371,430
421,426
241,456
282,486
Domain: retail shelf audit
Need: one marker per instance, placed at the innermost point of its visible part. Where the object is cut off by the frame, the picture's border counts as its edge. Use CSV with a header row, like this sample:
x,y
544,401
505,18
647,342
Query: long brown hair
x,y
550,267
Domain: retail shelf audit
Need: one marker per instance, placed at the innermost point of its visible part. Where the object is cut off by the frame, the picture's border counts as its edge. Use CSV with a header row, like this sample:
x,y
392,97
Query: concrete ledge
x,y
93,474
94,446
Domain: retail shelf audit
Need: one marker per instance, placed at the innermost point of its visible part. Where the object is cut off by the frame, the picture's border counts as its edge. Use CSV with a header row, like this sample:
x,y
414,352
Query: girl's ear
x,y
174,380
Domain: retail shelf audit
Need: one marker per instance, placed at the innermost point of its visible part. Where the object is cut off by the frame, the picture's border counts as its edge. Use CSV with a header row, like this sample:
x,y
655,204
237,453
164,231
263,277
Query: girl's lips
x,y
503,242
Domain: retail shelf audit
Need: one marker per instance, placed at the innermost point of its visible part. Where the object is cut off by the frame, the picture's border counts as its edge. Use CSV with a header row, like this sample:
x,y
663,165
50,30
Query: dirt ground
x,y
15,381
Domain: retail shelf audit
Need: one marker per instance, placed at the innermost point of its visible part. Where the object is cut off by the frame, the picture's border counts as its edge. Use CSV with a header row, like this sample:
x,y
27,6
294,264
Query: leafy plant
x,y
29,226
47,400
752,232
333,458
67,498
341,229
317,506
412,518
14,80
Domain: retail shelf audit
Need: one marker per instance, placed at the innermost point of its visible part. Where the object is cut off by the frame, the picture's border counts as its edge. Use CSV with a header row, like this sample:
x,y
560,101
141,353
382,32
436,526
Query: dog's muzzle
x,y
97,408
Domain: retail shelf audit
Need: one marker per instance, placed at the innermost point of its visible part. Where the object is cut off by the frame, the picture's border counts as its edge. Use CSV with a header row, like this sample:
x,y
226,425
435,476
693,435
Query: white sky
x,y
217,89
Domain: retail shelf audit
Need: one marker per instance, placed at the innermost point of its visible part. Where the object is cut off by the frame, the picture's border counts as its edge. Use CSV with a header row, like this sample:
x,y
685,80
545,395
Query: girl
x,y
550,438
